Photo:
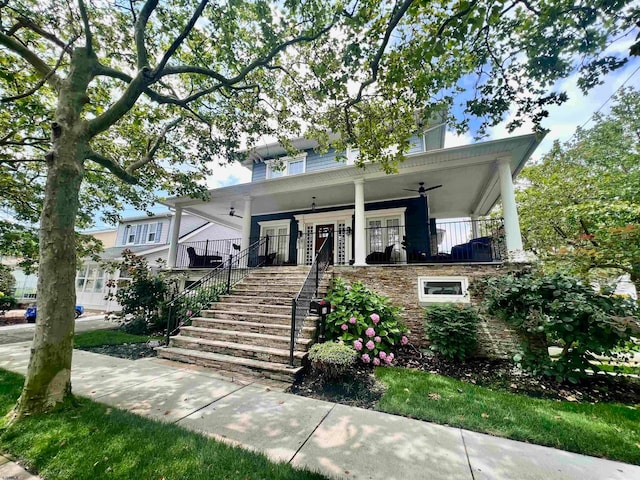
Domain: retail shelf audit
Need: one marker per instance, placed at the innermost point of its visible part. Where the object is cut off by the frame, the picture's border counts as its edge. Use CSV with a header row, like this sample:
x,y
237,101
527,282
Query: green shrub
x,y
452,330
365,320
332,360
561,309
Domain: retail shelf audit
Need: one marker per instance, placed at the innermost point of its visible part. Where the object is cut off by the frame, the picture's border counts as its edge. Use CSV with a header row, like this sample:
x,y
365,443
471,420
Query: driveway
x,y
24,332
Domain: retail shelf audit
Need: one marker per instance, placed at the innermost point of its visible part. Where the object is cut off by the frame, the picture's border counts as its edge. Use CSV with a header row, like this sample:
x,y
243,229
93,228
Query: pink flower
x,y
348,287
375,318
404,340
189,313
377,339
352,320
344,326
370,332
382,355
376,361
365,358
360,340
389,359
357,345
370,345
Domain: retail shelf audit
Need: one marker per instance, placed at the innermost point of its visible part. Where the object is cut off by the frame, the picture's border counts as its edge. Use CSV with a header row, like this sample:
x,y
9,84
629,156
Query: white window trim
x,y
131,230
285,161
153,230
424,299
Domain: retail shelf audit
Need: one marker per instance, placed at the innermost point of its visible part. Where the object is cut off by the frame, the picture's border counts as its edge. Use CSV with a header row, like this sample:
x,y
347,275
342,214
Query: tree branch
x,y
375,63
154,146
42,81
36,62
112,166
87,28
26,22
178,41
139,33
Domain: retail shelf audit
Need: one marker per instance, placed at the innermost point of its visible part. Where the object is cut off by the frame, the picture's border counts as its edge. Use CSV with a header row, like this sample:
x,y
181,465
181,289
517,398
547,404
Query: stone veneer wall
x,y
400,283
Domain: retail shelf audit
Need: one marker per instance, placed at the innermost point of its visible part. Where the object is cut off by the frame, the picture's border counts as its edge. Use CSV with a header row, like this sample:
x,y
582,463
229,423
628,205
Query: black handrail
x,y
309,290
190,301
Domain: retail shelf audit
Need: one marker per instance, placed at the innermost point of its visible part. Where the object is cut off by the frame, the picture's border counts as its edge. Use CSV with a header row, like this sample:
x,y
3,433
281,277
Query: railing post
x,y
293,330
229,274
206,248
169,323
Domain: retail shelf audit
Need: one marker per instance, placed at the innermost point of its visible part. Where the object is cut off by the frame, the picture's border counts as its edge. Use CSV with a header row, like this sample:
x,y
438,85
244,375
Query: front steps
x,y
248,332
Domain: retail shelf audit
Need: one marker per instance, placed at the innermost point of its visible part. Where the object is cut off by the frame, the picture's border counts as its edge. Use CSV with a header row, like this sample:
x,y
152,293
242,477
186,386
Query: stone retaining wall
x,y
400,283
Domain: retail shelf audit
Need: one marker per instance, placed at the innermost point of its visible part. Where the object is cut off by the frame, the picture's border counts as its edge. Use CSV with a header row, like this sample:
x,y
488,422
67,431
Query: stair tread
x,y
240,346
248,362
250,324
244,312
239,333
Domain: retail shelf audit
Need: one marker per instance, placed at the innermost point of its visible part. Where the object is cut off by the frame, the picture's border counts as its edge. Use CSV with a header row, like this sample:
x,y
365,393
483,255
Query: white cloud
x,y
229,174
453,139
578,110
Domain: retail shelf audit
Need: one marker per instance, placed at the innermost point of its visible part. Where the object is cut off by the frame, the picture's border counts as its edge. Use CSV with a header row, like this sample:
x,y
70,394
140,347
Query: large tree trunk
x,y
48,381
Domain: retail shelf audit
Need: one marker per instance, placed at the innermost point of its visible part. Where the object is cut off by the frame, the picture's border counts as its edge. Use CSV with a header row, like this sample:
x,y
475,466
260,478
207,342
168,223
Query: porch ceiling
x,y
468,174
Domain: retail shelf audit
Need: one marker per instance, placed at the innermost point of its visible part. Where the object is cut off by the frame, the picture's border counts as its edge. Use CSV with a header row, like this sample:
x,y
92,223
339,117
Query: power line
x,y
609,99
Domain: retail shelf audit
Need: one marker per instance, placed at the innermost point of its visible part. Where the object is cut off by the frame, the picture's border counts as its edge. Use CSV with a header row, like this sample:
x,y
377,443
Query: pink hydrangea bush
x,y
359,313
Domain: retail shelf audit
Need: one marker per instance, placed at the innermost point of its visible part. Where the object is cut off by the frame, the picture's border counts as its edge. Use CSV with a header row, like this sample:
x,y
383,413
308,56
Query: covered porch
x,y
375,218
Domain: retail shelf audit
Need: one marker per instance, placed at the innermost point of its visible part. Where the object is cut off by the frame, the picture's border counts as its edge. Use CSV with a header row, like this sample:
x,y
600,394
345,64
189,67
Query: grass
x,y
98,338
92,441
627,369
603,429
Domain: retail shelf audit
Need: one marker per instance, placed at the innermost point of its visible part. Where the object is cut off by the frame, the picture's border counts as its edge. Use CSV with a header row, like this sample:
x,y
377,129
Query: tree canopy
x,y
109,101
581,204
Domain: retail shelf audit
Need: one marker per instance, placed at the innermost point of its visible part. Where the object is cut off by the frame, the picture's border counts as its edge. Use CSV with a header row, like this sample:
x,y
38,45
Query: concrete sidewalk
x,y
23,332
340,441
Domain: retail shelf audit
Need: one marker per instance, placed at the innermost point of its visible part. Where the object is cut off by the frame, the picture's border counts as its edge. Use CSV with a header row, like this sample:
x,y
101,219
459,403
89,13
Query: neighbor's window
x,y
443,290
286,166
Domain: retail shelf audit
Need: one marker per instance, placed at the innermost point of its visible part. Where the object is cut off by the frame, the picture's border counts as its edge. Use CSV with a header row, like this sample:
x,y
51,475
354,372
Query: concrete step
x,y
255,299
308,330
242,315
273,341
239,350
257,289
251,307
247,366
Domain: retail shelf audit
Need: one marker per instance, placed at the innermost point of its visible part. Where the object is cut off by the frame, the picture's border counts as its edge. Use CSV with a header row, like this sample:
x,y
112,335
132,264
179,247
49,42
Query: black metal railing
x,y
219,281
206,253
479,240
277,251
309,291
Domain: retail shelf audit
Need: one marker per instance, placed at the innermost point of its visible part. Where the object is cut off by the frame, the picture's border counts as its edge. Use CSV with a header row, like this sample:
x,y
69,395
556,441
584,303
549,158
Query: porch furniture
x,y
267,260
475,250
203,261
380,257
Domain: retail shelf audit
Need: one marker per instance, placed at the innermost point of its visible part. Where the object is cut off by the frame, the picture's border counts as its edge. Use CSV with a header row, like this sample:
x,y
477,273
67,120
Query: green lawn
x,y
603,430
632,370
98,338
92,441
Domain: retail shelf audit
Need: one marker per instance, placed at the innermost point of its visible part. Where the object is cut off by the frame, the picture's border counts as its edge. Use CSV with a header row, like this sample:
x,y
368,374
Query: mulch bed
x,y
361,389
503,375
132,351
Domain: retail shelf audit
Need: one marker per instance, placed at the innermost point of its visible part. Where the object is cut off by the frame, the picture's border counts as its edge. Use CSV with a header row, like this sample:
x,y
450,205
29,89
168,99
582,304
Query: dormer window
x,y
286,166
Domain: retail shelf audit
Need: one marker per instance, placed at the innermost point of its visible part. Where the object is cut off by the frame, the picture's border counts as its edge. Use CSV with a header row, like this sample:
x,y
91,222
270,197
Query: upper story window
x,y
143,233
286,166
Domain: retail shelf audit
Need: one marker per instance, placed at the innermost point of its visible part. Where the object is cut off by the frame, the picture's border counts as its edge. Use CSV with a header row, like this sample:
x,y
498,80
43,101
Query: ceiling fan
x,y
422,191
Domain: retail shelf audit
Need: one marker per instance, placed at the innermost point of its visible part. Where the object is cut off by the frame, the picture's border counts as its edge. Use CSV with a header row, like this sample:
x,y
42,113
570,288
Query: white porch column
x,y
175,237
474,226
360,253
511,221
246,224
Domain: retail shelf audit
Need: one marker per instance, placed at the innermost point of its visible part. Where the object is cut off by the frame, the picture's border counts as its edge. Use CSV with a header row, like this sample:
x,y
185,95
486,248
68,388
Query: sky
x,y
561,123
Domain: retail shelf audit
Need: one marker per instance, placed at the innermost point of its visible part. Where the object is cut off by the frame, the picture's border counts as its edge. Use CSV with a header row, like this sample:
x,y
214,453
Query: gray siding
x,y
435,138
120,240
321,161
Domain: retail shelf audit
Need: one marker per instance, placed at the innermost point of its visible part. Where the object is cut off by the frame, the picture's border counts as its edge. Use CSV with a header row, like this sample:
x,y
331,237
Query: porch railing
x,y
309,291
206,253
190,301
440,242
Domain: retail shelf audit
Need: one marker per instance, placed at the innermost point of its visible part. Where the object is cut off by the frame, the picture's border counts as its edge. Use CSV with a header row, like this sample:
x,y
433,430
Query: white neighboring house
x,y
148,237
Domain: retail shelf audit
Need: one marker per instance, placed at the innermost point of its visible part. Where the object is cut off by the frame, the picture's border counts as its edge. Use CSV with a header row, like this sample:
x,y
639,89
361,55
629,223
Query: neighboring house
x,y
148,237
428,212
